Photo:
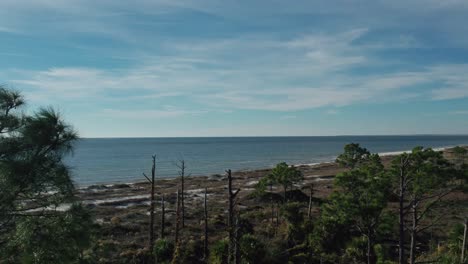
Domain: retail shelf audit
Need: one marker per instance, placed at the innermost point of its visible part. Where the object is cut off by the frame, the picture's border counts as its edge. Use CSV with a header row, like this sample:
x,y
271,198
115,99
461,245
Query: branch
x,y
150,181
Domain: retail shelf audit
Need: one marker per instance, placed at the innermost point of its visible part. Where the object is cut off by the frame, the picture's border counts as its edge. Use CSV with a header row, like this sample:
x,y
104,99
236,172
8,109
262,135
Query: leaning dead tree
x,y
182,167
151,181
205,241
231,223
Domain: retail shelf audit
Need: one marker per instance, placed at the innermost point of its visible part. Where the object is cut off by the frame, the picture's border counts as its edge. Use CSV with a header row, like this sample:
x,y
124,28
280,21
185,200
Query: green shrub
x,y
219,252
192,252
252,250
163,250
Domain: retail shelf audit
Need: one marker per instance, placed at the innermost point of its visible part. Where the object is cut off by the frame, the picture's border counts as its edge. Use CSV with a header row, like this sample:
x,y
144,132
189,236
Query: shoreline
x,y
130,194
331,161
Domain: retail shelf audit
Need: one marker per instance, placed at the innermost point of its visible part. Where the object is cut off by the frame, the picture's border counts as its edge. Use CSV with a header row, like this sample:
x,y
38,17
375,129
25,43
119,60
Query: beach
x,y
122,210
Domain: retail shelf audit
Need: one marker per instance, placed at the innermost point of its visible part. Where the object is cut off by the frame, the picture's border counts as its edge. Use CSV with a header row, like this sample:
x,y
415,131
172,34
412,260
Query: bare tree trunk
x,y
163,216
236,244
176,255
413,235
272,205
177,227
205,242
401,222
285,189
151,225
464,242
277,215
182,168
231,199
309,212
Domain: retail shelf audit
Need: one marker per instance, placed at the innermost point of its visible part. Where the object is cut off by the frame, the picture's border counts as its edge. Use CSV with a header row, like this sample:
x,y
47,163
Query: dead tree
x,y
237,238
271,204
401,192
205,241
309,212
177,227
163,215
277,215
231,224
182,168
151,181
464,241
176,256
418,196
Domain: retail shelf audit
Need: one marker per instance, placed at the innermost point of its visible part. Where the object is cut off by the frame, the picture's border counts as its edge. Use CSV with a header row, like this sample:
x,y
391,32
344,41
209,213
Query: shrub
x,y
219,252
252,250
163,250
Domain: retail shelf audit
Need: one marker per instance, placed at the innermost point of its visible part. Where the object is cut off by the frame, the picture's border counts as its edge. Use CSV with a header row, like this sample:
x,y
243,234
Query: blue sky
x,y
241,68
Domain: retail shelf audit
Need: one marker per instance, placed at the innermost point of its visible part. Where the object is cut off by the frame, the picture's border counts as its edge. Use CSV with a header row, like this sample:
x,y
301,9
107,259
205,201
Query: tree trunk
x,y
151,231
464,242
285,189
163,216
370,244
177,227
205,242
309,212
182,198
231,227
230,218
271,203
413,235
401,222
236,244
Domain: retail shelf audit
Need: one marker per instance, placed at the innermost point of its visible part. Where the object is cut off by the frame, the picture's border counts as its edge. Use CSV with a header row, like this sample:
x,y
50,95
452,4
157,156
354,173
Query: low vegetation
x,y
410,208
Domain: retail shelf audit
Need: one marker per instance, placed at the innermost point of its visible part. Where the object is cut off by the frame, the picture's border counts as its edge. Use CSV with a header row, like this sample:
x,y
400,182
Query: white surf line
x,y
392,153
116,199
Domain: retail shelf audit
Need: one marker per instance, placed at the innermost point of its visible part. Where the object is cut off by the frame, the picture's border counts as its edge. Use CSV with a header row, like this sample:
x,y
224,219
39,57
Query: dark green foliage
x,y
219,252
34,181
52,239
460,154
245,226
252,250
276,251
283,175
292,213
163,250
353,156
192,252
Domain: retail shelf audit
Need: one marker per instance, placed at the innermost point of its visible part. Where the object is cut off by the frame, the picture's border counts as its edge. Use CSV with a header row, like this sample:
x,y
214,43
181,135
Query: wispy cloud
x,y
267,74
131,59
148,114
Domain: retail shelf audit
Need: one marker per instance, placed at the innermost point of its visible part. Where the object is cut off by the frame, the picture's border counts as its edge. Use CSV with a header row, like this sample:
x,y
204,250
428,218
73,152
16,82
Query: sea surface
x,y
105,161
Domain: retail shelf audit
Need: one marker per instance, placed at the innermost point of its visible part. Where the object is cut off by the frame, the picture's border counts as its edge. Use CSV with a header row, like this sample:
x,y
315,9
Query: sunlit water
x,y
125,159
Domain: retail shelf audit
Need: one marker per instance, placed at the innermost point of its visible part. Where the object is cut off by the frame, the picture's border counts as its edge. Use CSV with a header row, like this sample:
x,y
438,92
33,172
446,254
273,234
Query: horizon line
x,y
349,135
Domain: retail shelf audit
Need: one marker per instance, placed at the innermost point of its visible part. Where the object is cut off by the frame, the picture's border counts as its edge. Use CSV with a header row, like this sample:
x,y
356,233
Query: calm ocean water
x,y
125,159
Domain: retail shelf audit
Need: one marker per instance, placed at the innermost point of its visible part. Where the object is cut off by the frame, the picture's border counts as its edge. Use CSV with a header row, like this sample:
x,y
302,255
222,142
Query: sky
x,y
170,68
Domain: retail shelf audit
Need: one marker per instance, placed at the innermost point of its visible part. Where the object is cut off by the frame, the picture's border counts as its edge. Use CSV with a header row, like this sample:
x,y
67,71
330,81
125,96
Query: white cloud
x,y
260,73
148,114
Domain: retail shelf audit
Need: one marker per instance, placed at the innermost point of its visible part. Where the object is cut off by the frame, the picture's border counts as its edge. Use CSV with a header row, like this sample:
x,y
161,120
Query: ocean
x,y
116,160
